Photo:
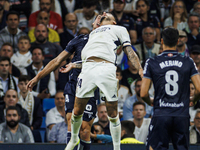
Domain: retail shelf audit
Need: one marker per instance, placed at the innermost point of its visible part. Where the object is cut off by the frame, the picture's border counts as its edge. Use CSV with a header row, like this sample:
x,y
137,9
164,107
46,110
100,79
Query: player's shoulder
x,y
78,39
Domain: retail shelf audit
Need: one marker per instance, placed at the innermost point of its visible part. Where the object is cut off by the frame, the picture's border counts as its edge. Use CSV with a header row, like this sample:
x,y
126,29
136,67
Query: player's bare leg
x,y
76,120
85,134
115,125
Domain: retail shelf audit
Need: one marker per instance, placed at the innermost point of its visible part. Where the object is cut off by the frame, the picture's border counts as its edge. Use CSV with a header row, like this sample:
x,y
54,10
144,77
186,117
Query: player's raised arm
x,y
51,66
132,56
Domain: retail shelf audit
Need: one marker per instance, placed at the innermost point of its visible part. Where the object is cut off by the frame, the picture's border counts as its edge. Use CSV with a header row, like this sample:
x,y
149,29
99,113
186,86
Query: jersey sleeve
x,y
70,46
147,69
123,36
193,68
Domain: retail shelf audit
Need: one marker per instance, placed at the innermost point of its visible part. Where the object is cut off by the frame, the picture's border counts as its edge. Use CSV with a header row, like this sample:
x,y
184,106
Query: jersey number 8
x,y
171,82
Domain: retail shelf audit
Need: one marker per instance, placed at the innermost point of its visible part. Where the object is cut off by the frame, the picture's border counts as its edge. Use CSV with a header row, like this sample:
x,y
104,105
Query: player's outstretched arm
x,y
69,67
144,93
51,66
196,81
132,56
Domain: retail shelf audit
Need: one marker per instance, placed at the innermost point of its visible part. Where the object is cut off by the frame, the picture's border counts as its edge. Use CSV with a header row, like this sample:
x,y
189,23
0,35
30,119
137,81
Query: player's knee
x,y
113,119
113,115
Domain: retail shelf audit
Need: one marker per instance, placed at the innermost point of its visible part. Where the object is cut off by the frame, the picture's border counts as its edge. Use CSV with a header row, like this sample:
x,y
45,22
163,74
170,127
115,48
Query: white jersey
x,y
103,42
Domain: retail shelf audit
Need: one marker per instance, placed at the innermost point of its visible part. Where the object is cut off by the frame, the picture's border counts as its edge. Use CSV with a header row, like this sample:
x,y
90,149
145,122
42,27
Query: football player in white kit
x,y
99,70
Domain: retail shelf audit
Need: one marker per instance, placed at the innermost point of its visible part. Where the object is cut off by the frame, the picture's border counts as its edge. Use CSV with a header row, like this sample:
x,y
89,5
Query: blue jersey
x,y
75,46
170,73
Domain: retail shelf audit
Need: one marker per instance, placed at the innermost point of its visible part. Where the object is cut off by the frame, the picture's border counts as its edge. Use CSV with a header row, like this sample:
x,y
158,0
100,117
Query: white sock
x,y
76,122
115,130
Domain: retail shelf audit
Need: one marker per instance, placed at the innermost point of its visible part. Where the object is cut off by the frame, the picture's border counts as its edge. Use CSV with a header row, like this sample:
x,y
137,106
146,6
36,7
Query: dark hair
x,y
24,37
89,3
8,44
139,103
96,123
13,108
50,1
170,36
138,79
119,70
24,78
194,14
12,13
145,1
5,59
128,126
37,47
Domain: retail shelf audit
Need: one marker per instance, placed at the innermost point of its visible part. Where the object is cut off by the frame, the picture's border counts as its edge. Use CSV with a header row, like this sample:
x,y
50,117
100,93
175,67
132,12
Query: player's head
x,y
127,127
108,19
170,37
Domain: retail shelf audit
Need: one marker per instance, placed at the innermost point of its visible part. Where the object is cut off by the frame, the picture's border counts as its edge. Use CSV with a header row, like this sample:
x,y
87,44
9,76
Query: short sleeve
x,y
123,36
50,117
147,69
71,45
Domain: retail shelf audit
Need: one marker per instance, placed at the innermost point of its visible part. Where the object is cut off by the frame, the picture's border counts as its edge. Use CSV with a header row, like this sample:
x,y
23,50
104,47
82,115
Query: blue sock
x,y
68,139
68,136
85,145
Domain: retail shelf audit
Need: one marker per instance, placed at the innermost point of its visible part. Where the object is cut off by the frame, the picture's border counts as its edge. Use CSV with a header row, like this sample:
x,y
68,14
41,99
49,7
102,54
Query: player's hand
x,y
96,23
141,72
32,83
69,67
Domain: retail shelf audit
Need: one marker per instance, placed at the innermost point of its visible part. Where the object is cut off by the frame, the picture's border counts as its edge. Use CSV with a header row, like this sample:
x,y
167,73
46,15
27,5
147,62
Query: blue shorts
x,y
91,107
162,129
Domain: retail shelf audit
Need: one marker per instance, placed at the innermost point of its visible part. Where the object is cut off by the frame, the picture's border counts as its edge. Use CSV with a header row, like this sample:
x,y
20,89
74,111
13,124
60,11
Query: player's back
x,y
171,73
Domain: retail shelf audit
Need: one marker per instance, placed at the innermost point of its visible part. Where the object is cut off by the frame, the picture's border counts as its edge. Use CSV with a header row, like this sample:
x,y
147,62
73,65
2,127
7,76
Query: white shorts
x,y
97,74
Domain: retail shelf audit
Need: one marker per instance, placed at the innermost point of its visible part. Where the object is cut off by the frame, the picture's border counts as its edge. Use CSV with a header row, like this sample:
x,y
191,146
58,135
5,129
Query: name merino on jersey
x,y
103,42
171,80
170,63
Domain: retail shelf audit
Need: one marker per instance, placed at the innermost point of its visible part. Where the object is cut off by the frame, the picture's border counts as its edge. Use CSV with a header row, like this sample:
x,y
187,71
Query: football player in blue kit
x,y
170,73
74,46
